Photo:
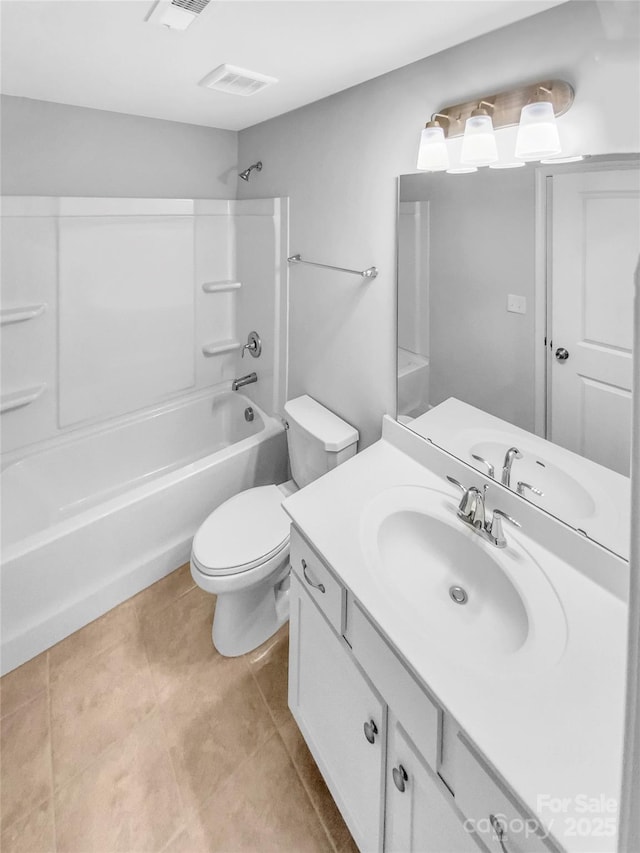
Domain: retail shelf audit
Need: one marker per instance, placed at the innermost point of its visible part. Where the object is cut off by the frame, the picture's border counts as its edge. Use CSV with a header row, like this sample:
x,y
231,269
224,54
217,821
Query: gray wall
x,y
338,160
57,150
481,248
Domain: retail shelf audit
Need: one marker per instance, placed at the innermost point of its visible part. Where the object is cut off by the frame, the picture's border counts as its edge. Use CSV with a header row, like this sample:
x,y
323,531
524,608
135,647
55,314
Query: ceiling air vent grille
x,y
176,14
236,81
193,6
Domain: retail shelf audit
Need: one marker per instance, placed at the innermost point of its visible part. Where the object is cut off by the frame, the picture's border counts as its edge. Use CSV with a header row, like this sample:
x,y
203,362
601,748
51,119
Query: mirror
x,y
515,329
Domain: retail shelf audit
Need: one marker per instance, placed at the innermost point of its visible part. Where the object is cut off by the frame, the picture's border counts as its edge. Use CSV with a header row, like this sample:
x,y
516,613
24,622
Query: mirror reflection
x,y
515,329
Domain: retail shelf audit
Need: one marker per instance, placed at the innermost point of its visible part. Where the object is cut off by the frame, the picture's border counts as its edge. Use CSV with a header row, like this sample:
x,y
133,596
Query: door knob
x,y
370,731
562,354
400,777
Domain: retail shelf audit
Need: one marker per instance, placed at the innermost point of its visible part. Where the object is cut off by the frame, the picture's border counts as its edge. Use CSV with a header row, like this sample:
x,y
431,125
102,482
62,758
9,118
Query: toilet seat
x,y
246,531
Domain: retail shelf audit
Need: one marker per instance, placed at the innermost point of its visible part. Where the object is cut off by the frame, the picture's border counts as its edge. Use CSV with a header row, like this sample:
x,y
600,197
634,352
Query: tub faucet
x,y
244,380
511,454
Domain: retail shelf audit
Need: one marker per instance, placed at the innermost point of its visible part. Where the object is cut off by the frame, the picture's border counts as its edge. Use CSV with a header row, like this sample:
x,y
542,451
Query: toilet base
x,y
244,620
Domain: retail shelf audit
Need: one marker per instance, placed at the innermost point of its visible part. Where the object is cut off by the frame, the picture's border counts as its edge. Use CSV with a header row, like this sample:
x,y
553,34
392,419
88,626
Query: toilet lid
x,y
243,532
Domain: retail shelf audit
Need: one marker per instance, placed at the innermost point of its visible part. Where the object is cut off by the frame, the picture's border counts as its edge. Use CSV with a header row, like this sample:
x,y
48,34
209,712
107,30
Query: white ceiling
x,y
102,53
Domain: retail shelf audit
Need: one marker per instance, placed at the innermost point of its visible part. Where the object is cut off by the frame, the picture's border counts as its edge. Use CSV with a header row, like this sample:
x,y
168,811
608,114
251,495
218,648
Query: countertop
x,y
556,733
457,426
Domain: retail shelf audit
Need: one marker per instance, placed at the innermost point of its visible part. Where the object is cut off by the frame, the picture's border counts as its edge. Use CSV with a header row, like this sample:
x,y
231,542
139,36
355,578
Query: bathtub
x,y
93,518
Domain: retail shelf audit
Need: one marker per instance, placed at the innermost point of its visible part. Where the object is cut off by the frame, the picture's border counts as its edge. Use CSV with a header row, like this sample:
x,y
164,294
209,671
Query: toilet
x,y
241,551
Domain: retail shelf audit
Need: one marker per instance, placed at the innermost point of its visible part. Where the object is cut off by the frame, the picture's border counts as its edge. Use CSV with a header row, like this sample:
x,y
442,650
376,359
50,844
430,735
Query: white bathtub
x,y
95,517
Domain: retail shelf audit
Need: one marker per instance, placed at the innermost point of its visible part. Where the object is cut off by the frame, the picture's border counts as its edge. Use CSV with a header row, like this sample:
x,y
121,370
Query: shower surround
x,y
123,321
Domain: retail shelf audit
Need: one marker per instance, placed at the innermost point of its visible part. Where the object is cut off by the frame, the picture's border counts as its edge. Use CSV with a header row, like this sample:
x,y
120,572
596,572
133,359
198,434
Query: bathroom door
x,y
595,245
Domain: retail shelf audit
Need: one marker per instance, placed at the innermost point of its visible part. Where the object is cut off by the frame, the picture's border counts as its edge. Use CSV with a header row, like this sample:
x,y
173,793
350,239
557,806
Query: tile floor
x,y
133,735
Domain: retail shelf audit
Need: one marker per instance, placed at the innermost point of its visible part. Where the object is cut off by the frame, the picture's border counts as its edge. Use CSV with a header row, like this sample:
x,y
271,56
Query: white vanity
x,y
456,695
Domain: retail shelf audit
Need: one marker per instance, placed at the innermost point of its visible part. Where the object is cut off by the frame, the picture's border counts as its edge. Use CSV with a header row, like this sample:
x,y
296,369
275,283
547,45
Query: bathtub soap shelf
x,y
20,313
220,286
220,347
18,399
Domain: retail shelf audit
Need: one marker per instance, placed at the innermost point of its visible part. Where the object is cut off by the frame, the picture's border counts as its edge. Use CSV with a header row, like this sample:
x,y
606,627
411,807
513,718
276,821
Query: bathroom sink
x,y
480,604
578,491
560,489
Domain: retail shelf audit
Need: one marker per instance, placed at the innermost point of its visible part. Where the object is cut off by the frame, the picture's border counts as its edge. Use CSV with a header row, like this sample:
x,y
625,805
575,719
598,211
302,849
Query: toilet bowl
x,y
241,554
241,551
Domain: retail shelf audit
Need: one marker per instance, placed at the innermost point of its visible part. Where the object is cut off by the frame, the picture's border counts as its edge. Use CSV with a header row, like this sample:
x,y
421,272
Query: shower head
x,y
245,175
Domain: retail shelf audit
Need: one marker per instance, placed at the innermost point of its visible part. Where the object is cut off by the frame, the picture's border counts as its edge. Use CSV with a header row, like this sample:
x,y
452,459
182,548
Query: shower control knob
x,y
562,354
370,731
253,345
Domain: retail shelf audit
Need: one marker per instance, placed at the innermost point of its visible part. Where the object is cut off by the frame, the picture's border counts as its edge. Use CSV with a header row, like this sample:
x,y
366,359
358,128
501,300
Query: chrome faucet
x,y
495,534
472,510
522,486
244,380
511,454
472,506
491,471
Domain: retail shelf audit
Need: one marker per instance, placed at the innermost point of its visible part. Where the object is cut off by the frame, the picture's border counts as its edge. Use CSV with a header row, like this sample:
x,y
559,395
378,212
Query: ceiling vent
x,y
176,14
236,81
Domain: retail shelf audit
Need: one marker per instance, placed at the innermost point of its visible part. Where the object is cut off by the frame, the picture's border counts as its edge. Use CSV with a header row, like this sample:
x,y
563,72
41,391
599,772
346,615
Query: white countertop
x,y
458,427
558,732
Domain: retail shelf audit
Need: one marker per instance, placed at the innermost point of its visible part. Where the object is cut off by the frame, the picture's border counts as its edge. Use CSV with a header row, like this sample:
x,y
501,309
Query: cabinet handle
x,y
499,830
399,778
319,586
370,731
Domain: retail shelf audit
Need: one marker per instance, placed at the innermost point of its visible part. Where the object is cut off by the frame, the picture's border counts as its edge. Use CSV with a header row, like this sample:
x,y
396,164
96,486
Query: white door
x,y
420,817
342,718
595,244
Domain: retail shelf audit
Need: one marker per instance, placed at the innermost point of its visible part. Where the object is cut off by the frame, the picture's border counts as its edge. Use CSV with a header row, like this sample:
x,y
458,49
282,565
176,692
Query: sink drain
x,y
458,595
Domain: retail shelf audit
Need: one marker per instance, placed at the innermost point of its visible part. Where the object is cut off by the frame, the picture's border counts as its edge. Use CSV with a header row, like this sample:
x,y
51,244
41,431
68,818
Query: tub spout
x,y
244,380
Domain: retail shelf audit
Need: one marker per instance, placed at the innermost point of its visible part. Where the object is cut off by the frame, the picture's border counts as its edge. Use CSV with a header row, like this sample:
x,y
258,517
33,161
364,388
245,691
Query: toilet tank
x,y
318,440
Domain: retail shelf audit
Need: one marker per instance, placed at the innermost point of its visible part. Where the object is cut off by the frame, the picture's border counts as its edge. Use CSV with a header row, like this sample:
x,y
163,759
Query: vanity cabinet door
x,y
341,717
420,816
502,825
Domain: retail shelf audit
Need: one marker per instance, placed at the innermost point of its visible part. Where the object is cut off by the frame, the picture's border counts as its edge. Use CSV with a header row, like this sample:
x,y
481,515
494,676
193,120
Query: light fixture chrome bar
x,y
371,272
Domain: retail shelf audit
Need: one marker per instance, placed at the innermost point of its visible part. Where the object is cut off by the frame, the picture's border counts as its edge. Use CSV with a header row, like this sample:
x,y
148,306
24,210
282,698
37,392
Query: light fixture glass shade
x,y
537,132
432,154
479,142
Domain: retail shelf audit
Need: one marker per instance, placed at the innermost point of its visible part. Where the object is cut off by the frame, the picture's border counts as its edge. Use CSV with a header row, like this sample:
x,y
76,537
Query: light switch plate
x,y
516,304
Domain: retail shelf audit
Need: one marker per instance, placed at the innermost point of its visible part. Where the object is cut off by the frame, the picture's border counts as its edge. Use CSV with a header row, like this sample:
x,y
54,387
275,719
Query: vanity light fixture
x,y
479,143
533,108
432,154
537,131
462,170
